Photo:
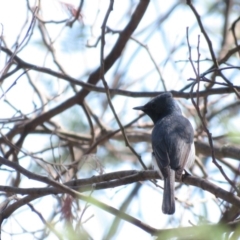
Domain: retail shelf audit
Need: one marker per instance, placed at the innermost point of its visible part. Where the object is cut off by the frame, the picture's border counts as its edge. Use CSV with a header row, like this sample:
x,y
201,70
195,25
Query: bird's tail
x,y
168,205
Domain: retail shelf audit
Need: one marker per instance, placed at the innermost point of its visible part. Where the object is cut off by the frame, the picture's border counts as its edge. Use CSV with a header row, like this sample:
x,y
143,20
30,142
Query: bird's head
x,y
160,106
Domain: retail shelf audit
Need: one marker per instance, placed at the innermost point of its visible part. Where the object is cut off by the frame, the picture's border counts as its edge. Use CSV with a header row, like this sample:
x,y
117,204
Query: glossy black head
x,y
160,106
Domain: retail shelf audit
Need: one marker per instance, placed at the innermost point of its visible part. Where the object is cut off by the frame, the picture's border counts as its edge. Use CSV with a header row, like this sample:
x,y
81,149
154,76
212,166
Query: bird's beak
x,y
142,108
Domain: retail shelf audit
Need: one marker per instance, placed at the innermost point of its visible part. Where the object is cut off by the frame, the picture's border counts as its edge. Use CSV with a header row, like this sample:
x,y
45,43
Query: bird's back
x,y
172,139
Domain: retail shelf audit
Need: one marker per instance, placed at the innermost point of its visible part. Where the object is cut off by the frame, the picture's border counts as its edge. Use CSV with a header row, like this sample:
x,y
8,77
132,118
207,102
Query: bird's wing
x,y
172,142
155,165
191,156
180,143
161,161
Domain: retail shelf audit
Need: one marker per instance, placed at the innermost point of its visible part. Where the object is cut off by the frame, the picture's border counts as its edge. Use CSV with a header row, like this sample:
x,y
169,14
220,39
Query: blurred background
x,y
58,119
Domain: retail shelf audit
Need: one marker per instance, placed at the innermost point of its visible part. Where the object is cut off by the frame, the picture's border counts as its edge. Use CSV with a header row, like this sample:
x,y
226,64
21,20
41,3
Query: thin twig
x,y
102,71
189,2
203,121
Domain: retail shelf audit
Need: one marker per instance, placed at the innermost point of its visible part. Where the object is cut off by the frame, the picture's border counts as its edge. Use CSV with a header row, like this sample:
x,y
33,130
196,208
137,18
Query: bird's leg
x,y
178,174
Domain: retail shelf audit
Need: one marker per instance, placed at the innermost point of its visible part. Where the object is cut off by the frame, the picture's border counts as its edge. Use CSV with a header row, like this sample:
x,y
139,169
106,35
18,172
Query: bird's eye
x,y
153,105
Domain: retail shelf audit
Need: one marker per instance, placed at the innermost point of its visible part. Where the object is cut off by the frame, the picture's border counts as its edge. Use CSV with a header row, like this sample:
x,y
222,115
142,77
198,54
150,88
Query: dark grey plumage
x,y
172,143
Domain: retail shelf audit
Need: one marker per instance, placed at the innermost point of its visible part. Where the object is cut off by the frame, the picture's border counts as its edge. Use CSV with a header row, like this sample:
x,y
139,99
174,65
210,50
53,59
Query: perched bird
x,y
172,143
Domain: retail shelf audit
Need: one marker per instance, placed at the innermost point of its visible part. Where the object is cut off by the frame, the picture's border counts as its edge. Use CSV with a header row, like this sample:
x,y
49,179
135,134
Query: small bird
x,y
172,143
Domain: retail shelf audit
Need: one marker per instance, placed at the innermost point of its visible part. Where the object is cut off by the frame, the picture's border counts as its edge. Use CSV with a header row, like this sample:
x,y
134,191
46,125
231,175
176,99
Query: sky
x,y
147,206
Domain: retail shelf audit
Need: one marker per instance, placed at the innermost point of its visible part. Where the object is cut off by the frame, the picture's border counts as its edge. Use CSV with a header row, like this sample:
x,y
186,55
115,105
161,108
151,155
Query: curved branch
x,y
114,181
